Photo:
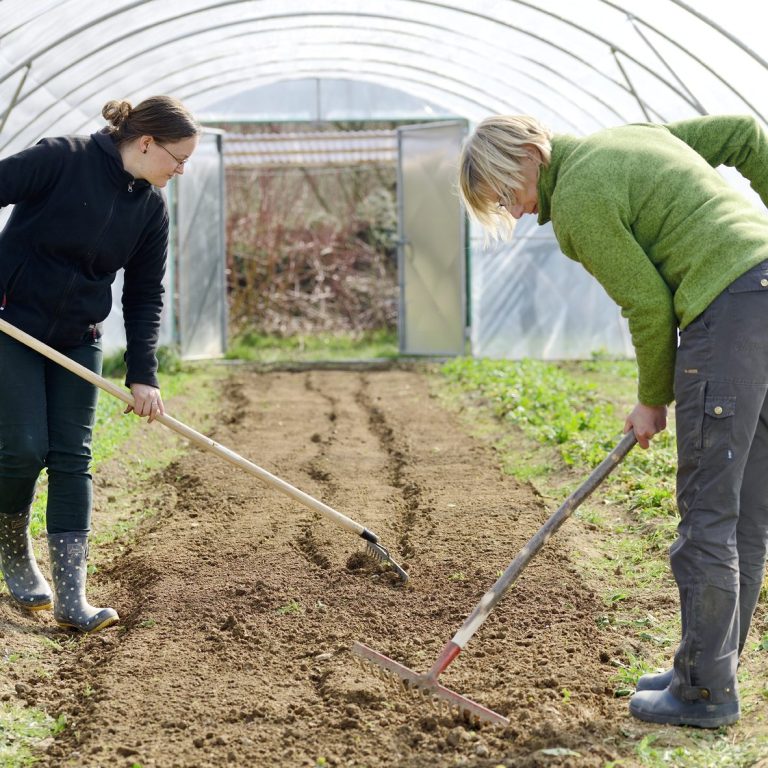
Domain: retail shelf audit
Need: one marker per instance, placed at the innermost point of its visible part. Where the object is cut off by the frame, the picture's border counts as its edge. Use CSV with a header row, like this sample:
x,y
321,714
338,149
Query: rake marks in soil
x,y
242,605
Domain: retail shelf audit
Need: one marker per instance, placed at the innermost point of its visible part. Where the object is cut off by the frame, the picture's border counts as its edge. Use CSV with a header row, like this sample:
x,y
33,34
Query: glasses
x,y
179,163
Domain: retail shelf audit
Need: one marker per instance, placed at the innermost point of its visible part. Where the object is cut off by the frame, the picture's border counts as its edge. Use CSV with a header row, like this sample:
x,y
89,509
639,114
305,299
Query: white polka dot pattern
x,y
69,562
25,583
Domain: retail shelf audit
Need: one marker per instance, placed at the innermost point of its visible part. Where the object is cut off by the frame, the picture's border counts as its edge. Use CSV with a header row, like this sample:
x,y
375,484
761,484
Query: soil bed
x,y
239,606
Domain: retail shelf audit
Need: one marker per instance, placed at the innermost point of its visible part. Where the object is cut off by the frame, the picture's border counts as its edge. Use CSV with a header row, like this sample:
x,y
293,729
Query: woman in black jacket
x,y
84,207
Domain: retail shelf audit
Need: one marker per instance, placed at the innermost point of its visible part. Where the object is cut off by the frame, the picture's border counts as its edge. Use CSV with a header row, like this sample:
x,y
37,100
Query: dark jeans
x,y
46,420
718,559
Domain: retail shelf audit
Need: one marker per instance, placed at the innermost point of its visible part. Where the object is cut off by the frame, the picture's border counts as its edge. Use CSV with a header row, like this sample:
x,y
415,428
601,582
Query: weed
x,y
628,673
458,576
293,606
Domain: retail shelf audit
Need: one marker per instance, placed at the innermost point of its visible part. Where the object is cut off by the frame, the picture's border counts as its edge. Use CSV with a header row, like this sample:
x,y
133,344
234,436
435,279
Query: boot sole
x,y
27,607
108,622
712,722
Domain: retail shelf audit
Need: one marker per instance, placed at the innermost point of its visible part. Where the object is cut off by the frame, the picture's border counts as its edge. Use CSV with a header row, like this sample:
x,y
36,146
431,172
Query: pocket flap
x,y
720,407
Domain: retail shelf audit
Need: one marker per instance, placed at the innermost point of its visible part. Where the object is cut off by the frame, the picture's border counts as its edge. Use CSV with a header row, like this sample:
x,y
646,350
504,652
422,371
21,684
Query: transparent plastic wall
x,y
431,240
528,300
201,300
578,66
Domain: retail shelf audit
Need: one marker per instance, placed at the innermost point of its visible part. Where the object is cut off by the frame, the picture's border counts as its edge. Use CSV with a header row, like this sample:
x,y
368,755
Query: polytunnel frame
x,y
615,50
400,31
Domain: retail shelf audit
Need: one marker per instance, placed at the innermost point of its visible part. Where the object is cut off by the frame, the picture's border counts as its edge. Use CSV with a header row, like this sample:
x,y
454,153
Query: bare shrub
x,y
312,249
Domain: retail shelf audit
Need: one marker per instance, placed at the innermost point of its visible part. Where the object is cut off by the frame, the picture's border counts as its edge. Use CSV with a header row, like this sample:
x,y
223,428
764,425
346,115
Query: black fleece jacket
x,y
78,217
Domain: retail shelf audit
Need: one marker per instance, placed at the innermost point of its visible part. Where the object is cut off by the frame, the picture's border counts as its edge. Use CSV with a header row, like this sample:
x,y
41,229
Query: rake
x,y
374,547
428,683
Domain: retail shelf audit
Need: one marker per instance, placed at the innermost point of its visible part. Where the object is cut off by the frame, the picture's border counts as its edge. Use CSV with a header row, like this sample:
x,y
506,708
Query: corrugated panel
x,y
320,148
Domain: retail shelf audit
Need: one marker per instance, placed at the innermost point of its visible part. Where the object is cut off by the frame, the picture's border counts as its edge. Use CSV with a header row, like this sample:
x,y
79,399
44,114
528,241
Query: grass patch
x,y
20,730
263,348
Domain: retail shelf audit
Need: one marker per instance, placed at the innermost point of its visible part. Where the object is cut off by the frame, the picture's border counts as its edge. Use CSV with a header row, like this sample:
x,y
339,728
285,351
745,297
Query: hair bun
x,y
116,112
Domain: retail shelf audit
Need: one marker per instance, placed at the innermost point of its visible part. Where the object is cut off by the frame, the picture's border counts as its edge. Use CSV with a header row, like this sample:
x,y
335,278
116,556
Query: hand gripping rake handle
x,y
475,619
209,445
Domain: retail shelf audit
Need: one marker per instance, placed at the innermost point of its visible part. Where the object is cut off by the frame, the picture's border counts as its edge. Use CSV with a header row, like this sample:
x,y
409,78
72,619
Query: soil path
x,y
239,606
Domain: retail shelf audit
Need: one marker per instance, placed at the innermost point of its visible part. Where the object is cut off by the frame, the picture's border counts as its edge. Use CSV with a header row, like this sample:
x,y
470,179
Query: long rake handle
x,y
190,434
475,619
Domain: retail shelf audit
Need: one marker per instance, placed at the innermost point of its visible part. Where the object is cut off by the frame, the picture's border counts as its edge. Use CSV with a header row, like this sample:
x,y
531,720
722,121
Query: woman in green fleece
x,y
643,209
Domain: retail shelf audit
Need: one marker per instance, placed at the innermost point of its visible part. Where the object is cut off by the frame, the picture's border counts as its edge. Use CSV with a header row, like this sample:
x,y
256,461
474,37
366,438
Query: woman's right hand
x,y
147,401
646,421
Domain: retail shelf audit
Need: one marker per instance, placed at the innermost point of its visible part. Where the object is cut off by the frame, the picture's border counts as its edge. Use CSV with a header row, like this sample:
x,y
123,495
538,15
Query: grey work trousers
x,y
718,559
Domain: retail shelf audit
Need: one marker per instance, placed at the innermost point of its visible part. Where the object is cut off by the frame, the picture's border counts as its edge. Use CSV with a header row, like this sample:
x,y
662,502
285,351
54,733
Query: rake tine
x,y
426,689
380,552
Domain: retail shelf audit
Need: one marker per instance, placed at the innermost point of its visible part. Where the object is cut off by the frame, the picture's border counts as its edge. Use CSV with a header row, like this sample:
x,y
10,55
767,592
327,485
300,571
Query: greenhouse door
x,y
431,240
201,279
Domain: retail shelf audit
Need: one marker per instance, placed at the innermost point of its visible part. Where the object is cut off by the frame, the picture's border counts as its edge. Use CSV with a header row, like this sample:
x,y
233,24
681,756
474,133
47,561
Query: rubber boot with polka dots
x,y
25,583
69,560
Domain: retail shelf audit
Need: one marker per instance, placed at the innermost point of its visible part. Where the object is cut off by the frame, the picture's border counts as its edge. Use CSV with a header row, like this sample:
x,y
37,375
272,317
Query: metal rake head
x,y
382,553
413,682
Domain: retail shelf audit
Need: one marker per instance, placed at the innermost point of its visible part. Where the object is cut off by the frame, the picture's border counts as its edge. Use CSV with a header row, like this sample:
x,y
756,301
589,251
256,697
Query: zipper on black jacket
x,y
130,185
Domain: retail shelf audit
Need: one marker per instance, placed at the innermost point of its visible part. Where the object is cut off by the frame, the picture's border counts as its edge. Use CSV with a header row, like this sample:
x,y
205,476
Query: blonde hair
x,y
490,165
164,118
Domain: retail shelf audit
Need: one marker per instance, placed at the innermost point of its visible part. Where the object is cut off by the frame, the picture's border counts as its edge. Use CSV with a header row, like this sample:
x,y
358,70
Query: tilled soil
x,y
239,606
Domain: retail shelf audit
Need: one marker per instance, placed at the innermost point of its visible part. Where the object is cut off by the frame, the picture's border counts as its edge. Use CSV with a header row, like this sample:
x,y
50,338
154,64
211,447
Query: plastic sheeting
x,y
530,301
431,241
578,66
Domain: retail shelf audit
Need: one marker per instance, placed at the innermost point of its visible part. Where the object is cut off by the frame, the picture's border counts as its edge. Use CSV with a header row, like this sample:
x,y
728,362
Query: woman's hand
x,y
147,402
646,420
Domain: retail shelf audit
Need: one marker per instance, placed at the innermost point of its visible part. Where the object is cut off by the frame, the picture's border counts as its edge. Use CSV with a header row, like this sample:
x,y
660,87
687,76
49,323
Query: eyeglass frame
x,y
179,163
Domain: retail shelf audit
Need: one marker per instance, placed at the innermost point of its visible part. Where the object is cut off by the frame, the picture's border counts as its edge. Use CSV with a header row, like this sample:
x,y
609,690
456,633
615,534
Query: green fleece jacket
x,y
643,209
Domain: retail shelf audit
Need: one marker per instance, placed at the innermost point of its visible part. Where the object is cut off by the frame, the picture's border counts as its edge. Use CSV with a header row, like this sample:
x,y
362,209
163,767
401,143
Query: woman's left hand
x,y
147,401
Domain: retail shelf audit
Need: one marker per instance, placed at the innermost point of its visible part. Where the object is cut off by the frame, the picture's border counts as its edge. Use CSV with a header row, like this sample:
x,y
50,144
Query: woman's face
x,y
162,161
525,199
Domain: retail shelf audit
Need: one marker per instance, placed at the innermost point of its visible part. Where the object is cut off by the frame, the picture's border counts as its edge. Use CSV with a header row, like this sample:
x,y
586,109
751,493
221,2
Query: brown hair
x,y
491,164
164,118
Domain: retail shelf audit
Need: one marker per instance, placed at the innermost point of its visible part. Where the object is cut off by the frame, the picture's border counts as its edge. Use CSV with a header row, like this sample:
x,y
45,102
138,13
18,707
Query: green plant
x,y
293,606
20,729
271,348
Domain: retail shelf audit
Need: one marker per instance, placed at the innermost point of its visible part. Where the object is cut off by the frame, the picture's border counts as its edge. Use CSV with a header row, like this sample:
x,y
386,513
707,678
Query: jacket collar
x,y
117,172
562,147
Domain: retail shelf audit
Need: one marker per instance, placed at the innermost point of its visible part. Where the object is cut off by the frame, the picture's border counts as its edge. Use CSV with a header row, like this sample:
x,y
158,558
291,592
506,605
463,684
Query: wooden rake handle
x,y
190,434
526,554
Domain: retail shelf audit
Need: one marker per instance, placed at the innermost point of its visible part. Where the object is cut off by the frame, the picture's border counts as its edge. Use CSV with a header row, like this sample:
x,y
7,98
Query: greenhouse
x,y
352,482
438,66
